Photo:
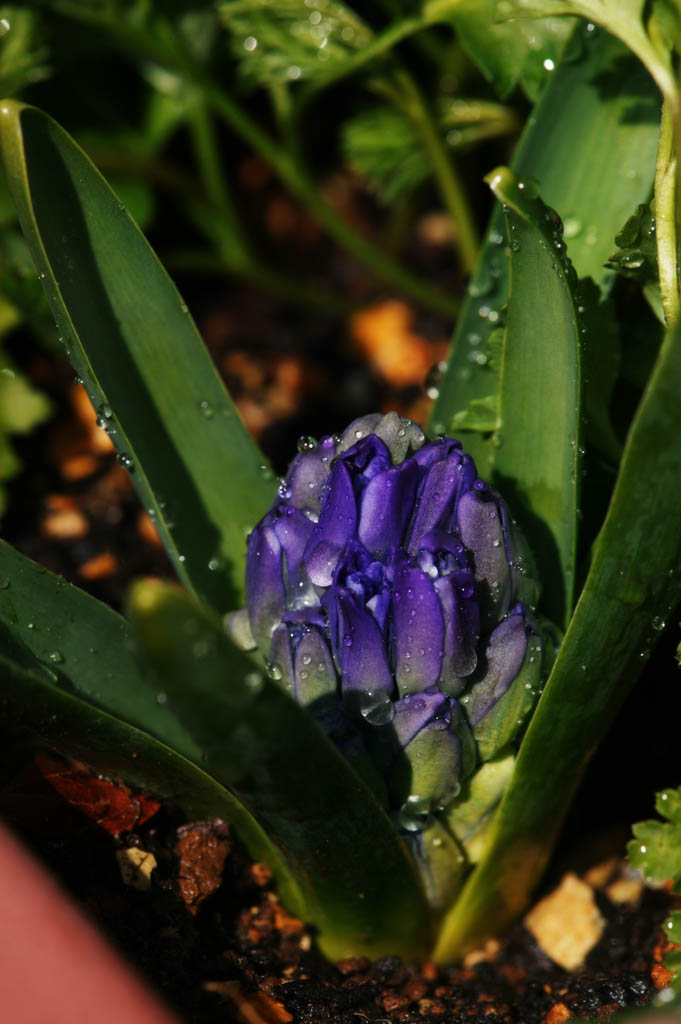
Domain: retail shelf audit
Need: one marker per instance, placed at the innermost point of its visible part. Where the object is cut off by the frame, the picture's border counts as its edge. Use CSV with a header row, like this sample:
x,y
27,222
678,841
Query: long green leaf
x,y
33,703
358,882
537,442
84,644
632,585
134,345
590,144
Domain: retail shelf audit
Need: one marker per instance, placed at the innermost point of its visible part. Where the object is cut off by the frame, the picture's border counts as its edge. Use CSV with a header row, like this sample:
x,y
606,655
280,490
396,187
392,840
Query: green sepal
x,y
468,816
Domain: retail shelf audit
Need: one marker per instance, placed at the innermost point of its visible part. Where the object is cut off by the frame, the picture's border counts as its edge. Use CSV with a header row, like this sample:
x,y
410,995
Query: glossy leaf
x,y
508,53
649,29
538,439
134,345
85,645
358,884
36,703
590,145
656,847
632,584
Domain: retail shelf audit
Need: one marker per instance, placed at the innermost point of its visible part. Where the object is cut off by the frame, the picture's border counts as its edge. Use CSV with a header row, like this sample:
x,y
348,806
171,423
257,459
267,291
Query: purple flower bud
x,y
382,584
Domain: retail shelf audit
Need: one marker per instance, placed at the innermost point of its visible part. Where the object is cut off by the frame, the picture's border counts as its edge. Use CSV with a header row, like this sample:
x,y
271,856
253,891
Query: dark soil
x,y
211,936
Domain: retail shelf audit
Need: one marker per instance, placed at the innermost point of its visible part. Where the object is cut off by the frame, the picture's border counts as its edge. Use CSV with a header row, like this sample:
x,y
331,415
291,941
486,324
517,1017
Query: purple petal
x,y
335,527
456,593
481,525
293,530
415,711
445,481
307,476
385,507
265,592
504,657
359,648
418,629
315,675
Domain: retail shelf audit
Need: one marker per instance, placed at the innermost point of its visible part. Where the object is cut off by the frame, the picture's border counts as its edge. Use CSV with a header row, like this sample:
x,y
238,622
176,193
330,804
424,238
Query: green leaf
x,y
358,883
36,703
636,253
286,40
649,29
656,846
383,145
83,643
24,59
133,344
601,365
507,52
538,440
631,585
596,123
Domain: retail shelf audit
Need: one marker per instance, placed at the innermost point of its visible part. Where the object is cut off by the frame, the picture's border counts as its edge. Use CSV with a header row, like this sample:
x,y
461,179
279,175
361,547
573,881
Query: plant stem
x,y
297,179
451,187
283,286
225,227
666,216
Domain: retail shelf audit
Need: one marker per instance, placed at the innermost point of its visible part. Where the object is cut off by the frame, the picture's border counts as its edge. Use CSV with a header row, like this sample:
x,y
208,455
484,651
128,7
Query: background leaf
x,y
358,883
596,124
284,40
631,587
508,53
133,344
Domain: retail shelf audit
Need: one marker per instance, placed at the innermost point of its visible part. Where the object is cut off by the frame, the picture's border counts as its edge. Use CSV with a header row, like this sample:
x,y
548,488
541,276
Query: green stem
x,y
281,285
666,216
444,169
226,227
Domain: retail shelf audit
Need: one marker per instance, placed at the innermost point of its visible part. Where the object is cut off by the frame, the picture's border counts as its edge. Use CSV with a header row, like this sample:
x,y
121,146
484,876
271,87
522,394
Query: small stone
x,y
557,1014
567,924
625,890
136,866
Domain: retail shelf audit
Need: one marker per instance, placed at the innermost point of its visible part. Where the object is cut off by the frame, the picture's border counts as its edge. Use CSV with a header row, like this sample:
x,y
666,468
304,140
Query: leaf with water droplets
x,y
580,140
536,465
357,883
633,578
656,846
280,41
139,355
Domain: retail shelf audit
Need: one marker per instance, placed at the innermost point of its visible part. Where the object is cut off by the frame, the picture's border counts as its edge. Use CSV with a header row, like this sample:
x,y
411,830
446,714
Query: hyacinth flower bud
x,y
387,590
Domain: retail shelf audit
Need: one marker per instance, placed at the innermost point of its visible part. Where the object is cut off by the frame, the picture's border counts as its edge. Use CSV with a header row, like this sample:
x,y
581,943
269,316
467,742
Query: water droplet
x,y
4,26
161,697
572,227
306,443
414,815
273,670
376,709
658,623
206,409
56,657
4,583
250,43
214,564
126,461
548,64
